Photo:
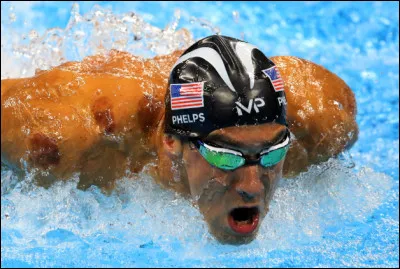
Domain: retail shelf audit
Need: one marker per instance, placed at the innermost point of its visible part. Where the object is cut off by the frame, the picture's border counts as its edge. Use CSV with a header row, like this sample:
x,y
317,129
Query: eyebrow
x,y
221,140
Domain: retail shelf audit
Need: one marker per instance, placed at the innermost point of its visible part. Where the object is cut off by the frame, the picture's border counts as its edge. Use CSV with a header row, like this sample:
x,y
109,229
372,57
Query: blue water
x,y
335,215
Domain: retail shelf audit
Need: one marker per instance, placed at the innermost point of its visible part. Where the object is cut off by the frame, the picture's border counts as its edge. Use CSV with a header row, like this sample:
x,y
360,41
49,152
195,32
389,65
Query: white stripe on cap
x,y
211,56
243,51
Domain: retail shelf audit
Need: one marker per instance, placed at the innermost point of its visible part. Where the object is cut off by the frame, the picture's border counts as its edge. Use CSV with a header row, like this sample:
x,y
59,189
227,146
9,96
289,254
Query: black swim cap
x,y
219,82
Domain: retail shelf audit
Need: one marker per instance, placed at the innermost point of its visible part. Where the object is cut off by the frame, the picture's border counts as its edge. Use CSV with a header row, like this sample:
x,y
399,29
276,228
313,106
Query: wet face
x,y
234,202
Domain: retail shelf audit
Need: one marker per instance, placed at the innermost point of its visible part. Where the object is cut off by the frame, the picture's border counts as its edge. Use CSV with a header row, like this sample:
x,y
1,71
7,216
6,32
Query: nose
x,y
249,186
247,197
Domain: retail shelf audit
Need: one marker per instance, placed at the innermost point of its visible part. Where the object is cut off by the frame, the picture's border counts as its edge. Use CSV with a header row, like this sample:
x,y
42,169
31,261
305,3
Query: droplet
x,y
33,34
236,16
12,17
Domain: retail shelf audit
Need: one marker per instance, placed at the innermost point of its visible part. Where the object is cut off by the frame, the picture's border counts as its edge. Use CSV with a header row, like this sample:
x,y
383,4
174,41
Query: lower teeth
x,y
243,222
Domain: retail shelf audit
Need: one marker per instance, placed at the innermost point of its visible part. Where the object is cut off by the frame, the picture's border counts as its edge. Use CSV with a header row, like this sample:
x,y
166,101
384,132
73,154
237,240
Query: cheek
x,y
271,178
202,177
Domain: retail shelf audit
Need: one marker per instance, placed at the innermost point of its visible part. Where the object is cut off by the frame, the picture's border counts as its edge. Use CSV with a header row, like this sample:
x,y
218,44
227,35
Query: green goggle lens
x,y
221,160
273,157
229,161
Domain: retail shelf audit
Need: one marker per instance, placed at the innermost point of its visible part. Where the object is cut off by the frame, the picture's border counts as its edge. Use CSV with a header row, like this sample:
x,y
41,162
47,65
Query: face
x,y
234,202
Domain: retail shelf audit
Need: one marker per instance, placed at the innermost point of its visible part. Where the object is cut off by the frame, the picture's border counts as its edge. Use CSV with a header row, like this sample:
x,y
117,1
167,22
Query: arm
x,y
84,117
321,113
88,117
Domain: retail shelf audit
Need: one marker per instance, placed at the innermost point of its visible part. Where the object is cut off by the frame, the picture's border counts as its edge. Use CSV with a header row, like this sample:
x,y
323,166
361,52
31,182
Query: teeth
x,y
244,222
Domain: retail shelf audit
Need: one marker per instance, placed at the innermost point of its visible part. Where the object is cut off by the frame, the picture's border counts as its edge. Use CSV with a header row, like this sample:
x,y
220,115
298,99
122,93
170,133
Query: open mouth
x,y
244,220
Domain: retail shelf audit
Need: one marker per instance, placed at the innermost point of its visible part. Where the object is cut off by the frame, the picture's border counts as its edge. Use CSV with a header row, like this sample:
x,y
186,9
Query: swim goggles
x,y
228,159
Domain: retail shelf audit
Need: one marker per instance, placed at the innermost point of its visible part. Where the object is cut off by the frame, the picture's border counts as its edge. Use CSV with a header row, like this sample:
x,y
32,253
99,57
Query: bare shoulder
x,y
92,116
321,112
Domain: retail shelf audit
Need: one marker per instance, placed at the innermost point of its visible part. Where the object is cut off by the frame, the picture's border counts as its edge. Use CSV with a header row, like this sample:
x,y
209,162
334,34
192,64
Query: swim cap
x,y
219,82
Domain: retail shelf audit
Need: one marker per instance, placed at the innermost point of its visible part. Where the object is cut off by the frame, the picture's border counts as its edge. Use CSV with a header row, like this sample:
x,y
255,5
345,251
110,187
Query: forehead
x,y
248,134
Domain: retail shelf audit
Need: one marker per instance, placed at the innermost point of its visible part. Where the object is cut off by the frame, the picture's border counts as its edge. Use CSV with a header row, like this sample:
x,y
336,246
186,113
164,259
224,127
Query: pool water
x,y
342,213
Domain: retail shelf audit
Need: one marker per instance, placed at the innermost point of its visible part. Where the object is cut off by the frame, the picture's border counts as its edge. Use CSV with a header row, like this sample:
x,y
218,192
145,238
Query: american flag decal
x,y
275,78
187,95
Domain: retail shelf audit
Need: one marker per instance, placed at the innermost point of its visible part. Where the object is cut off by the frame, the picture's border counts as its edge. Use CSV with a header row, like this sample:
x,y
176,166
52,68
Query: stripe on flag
x,y
273,74
187,95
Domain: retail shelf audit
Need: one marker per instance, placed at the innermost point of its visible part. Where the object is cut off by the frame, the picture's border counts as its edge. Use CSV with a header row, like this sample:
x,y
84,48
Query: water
x,y
343,213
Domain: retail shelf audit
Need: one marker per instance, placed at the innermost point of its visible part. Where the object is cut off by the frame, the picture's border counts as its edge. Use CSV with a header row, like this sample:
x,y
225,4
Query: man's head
x,y
225,133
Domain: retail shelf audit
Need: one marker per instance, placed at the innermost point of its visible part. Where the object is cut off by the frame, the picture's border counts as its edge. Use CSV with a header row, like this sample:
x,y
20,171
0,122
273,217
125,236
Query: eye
x,y
192,145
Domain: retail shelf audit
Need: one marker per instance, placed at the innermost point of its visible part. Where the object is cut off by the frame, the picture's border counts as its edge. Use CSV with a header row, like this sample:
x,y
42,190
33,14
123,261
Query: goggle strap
x,y
222,150
280,145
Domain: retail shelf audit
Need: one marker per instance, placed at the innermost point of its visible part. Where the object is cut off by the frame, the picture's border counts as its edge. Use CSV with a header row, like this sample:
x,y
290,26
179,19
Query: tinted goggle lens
x,y
221,160
229,161
273,157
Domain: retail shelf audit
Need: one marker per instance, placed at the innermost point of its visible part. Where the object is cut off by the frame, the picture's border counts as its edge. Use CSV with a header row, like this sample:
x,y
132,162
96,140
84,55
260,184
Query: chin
x,y
229,238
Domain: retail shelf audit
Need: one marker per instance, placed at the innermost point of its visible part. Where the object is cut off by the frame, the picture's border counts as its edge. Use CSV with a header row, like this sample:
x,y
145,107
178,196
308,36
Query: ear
x,y
172,145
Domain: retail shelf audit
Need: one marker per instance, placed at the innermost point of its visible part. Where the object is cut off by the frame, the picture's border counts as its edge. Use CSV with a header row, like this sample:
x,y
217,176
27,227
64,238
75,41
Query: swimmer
x,y
219,122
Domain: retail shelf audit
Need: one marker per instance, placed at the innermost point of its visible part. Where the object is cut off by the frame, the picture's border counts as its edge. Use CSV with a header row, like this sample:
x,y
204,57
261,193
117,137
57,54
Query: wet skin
x,y
105,115
217,192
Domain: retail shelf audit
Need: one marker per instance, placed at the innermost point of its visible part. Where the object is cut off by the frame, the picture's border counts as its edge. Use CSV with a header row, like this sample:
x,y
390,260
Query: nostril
x,y
247,197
